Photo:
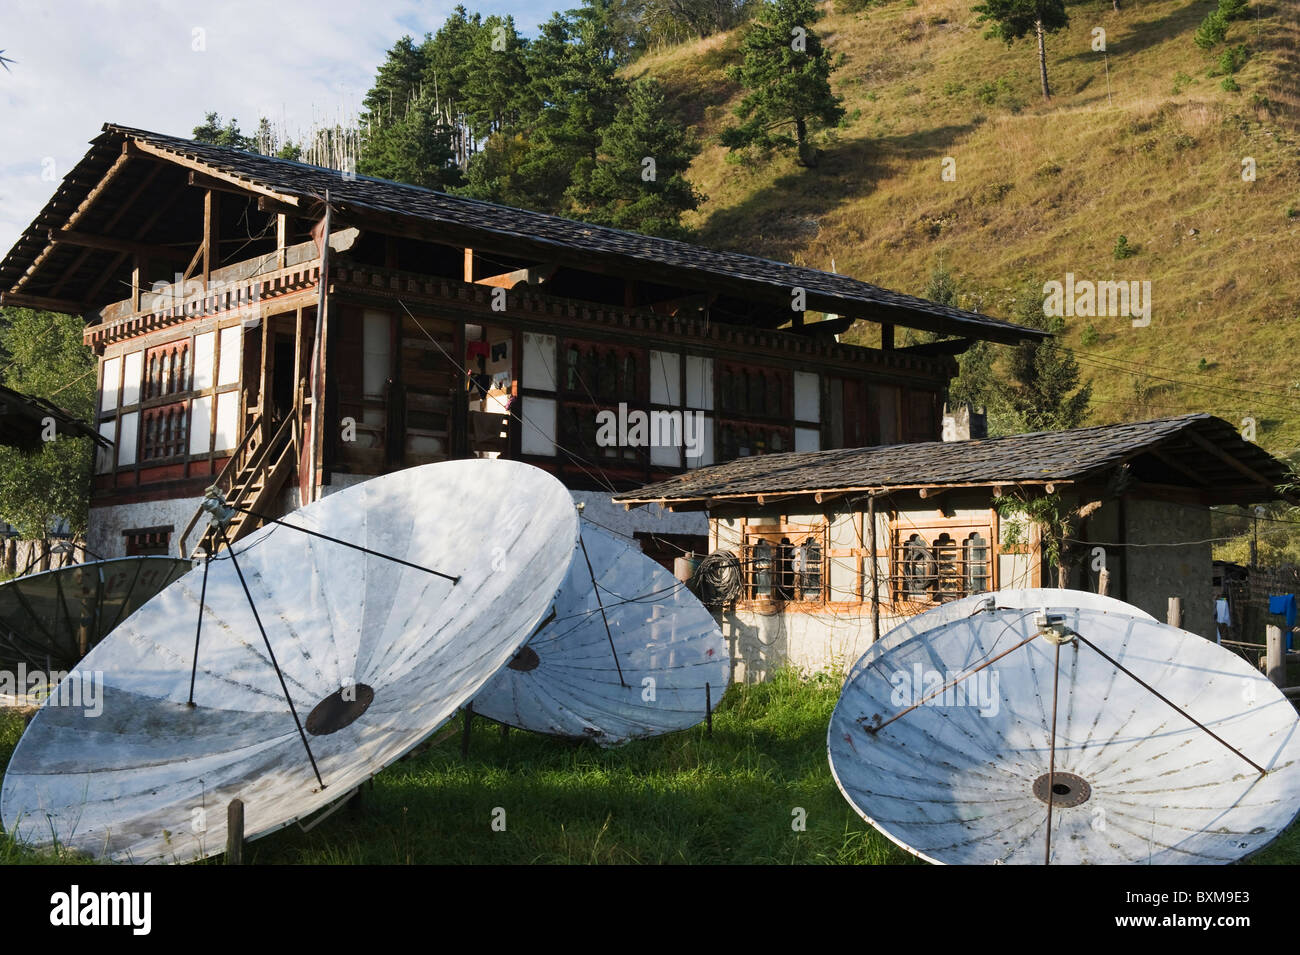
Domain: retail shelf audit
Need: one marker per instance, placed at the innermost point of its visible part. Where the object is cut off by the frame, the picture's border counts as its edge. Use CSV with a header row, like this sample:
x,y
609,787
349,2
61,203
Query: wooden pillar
x,y
1275,656
887,337
1175,615
281,238
469,265
1103,581
875,568
211,235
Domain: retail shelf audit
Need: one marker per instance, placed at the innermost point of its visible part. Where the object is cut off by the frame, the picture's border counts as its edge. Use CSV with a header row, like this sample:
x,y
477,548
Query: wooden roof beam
x,y
1228,459
20,300
113,220
242,185
110,244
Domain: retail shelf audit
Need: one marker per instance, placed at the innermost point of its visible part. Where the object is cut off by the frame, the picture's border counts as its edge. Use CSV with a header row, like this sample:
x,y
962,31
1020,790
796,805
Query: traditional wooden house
x,y
833,548
238,348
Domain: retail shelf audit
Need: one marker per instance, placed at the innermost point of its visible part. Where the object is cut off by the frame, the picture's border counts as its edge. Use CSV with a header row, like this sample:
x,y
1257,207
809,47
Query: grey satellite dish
x,y
1149,744
1020,599
374,653
630,653
50,620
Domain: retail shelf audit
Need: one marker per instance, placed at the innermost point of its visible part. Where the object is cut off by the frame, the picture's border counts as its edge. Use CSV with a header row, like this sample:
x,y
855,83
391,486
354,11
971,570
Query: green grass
x,y
685,798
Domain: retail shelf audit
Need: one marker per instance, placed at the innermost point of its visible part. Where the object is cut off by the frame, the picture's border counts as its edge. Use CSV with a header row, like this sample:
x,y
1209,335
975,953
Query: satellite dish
x,y
629,653
1021,599
1162,747
375,652
50,620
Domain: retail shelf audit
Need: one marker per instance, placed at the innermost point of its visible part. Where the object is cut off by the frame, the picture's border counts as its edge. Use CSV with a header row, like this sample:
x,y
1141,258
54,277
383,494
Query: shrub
x,y
1230,85
1123,250
1181,81
1089,336
1231,60
1212,31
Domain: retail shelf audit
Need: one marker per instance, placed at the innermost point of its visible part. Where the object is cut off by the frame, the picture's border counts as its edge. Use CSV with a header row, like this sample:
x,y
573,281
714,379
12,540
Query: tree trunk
x,y
1042,58
1115,4
807,156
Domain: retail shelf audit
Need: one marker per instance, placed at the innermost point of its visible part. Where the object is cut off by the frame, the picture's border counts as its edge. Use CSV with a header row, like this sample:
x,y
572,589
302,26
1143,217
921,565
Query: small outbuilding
x,y
833,548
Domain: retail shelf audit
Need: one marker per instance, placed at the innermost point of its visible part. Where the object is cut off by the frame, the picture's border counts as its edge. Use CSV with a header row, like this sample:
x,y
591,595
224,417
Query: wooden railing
x,y
252,458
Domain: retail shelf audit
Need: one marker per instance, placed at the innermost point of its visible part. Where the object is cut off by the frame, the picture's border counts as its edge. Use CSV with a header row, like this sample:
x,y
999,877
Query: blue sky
x,y
161,64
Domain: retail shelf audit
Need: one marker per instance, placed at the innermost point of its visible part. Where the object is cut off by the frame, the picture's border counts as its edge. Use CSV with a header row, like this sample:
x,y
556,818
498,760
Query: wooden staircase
x,y
251,479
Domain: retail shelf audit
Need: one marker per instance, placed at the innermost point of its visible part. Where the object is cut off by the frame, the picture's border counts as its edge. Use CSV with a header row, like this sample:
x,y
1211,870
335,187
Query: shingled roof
x,y
23,419
1195,451
359,199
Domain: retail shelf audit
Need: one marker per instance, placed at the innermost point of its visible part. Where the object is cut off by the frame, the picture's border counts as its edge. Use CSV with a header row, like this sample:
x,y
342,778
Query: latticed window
x,y
165,431
976,557
916,565
167,369
785,566
935,565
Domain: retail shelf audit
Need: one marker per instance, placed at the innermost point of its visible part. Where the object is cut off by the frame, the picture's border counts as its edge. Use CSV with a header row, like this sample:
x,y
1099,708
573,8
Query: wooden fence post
x,y
1103,581
235,832
1175,615
1275,657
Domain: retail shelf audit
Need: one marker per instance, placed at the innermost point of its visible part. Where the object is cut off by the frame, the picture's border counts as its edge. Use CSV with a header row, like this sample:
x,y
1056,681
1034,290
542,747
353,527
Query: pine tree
x,y
1042,390
407,138
786,73
212,131
573,77
1014,19
623,189
495,89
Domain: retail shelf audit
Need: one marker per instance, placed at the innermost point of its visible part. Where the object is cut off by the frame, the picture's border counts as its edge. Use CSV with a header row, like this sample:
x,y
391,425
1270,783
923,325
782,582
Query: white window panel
x,y
204,349
699,383
701,454
104,456
807,439
377,352
228,369
538,434
132,370
227,435
665,456
539,364
112,382
807,397
201,425
126,439
665,378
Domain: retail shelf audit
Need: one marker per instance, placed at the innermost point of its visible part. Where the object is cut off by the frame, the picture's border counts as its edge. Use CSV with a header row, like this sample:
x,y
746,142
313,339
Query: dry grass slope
x,y
1152,151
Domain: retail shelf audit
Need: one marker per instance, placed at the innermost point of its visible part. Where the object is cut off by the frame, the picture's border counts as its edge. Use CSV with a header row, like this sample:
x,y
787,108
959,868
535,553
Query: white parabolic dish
x,y
953,780
149,778
568,681
1019,599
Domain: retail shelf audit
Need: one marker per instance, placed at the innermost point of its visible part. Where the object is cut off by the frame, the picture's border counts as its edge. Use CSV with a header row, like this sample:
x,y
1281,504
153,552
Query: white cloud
x,y
83,63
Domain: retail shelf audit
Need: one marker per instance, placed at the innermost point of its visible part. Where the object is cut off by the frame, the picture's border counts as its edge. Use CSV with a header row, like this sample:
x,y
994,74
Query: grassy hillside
x,y
1045,189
